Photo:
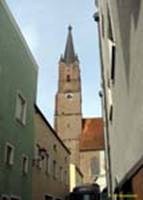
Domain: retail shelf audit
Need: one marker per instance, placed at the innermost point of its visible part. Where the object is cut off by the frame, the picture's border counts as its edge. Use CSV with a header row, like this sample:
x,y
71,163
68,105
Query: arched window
x,y
68,78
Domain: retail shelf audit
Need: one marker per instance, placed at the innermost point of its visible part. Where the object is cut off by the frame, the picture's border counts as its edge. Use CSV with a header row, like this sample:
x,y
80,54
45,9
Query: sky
x,y
44,25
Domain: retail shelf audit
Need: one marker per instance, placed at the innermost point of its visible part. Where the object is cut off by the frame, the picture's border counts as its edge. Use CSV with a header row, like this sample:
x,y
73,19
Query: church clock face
x,y
69,96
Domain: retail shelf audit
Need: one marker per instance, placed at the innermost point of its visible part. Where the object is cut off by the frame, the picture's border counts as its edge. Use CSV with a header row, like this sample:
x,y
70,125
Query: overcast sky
x,y
44,25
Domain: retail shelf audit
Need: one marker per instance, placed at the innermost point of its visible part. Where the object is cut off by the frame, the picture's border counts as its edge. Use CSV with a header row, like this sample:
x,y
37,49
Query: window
x,y
47,197
37,159
102,24
69,96
54,168
68,125
4,197
9,154
25,164
21,107
66,159
112,57
15,198
112,49
48,164
111,113
94,166
68,78
113,62
40,156
110,30
110,104
60,174
55,148
39,163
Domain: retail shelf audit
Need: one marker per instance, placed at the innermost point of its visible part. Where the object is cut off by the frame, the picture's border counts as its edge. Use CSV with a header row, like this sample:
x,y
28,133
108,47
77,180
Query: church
x,y
84,137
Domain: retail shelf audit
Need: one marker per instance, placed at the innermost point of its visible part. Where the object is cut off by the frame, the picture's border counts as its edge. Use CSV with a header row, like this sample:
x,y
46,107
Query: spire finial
x,y
69,55
70,27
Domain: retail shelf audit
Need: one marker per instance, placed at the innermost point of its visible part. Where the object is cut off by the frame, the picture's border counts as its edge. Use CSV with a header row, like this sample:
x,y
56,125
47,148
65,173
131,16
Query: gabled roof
x,y
92,136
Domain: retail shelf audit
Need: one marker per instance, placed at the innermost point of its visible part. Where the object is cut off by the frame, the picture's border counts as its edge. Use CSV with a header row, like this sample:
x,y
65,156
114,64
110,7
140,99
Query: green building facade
x,y
18,77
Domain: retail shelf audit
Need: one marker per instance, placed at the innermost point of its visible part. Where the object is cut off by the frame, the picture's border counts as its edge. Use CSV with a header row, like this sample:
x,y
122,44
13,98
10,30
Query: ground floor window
x,y
4,197
48,197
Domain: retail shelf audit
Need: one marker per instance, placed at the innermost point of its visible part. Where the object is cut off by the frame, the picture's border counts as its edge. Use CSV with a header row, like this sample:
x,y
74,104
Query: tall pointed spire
x,y
69,55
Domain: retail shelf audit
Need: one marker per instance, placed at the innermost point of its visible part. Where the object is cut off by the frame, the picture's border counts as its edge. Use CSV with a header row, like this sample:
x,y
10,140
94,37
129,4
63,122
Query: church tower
x,y
68,113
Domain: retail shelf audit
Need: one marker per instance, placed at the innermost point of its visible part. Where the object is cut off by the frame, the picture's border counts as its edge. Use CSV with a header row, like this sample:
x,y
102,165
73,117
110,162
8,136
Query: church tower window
x,y
69,95
68,78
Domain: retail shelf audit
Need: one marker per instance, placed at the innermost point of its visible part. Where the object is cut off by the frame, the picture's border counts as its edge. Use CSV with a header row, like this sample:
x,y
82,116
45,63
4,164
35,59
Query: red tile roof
x,y
92,136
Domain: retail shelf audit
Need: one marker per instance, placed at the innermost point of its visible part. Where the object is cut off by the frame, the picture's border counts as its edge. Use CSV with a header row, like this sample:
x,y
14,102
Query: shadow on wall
x,y
128,13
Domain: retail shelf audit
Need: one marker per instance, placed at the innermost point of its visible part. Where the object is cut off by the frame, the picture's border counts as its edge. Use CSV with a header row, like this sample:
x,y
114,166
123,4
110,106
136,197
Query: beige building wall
x,y
73,145
102,175
76,177
69,126
51,162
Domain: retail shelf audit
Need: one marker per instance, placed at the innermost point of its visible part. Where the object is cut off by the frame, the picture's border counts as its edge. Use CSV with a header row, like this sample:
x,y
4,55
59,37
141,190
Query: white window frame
x,y
65,177
11,161
25,166
21,114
